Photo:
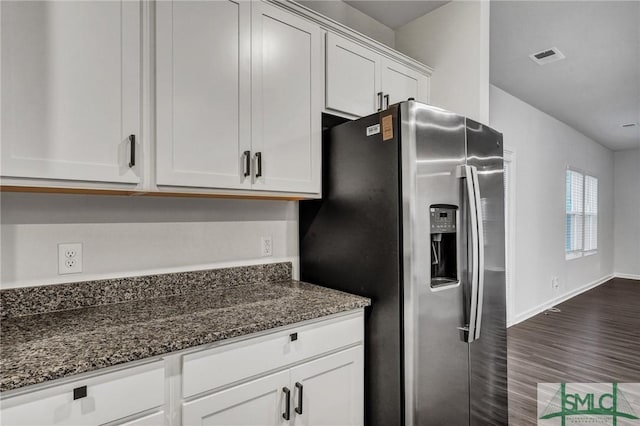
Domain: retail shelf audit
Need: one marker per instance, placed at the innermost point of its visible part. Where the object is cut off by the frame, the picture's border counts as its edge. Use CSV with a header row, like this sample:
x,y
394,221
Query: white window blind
x,y
581,214
590,213
574,206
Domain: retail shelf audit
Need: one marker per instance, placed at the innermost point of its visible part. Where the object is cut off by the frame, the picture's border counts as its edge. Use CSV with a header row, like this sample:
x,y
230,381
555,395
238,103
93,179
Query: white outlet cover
x,y
266,247
69,258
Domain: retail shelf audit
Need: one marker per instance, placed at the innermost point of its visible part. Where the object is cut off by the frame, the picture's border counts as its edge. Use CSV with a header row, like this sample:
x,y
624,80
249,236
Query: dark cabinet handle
x,y
80,392
386,101
258,164
287,410
247,163
298,409
379,101
132,147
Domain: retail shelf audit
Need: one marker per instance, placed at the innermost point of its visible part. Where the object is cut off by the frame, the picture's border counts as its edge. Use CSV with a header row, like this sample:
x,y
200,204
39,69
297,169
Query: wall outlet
x,y
555,283
69,258
266,247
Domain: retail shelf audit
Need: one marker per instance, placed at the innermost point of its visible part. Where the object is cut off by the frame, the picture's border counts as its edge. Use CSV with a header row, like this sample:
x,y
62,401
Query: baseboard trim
x,y
556,300
626,276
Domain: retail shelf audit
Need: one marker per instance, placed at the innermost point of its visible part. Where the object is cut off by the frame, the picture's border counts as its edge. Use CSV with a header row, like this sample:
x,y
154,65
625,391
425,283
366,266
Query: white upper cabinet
x,y
400,83
238,97
360,81
203,74
286,101
70,89
353,77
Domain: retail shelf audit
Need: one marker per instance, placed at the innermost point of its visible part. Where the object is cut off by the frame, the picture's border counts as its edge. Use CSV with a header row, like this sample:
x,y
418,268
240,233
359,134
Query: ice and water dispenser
x,y
444,267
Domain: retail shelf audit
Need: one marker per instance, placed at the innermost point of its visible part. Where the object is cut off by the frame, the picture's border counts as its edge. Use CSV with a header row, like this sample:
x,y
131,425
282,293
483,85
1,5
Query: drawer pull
x,y
298,409
287,410
293,337
80,392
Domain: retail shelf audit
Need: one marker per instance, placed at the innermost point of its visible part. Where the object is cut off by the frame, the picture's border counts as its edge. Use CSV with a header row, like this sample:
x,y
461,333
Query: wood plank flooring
x,y
596,338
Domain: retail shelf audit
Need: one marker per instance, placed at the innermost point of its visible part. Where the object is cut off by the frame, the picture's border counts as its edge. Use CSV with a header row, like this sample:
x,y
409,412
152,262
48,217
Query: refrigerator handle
x,y
466,173
480,232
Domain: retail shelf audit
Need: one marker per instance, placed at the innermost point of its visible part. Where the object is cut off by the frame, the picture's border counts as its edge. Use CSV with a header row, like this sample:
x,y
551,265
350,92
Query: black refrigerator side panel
x,y
350,241
488,354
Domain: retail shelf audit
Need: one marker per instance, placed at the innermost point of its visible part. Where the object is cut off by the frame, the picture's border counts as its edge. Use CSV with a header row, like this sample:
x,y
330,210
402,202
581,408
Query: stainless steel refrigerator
x,y
412,216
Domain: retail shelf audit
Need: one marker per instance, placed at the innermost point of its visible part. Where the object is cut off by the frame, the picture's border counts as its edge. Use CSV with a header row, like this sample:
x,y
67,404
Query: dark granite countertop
x,y
47,346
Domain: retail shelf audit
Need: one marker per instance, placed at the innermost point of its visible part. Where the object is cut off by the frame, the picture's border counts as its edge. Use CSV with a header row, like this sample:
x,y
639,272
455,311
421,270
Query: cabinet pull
x,y
379,101
298,409
386,101
258,164
132,147
80,392
287,406
247,163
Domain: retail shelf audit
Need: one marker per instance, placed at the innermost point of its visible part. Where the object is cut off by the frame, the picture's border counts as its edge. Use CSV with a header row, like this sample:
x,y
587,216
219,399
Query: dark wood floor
x,y
596,338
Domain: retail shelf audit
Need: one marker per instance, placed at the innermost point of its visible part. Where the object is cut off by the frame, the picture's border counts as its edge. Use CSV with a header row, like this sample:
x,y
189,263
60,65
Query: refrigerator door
x,y
488,352
436,353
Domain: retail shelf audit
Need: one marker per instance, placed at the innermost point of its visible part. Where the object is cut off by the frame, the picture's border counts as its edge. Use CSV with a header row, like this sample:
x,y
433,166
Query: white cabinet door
x,y
353,77
332,390
203,76
261,402
286,101
400,83
70,89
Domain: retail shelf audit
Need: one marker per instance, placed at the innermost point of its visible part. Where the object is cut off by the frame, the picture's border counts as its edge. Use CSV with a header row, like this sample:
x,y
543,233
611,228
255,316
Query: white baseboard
x,y
556,300
626,276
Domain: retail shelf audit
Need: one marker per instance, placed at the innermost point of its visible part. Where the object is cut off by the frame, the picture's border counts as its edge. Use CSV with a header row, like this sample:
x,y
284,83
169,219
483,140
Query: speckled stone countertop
x,y
45,346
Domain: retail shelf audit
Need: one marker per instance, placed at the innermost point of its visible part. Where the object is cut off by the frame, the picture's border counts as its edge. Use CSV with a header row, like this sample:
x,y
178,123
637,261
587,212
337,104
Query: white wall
x,y
351,17
544,147
454,40
627,213
125,236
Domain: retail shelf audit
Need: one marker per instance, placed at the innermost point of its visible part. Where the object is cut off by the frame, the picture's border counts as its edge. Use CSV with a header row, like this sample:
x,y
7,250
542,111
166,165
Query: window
x,y
581,214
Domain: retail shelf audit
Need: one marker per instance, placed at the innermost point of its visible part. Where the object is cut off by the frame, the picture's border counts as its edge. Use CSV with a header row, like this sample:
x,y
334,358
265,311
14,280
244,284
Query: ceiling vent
x,y
546,56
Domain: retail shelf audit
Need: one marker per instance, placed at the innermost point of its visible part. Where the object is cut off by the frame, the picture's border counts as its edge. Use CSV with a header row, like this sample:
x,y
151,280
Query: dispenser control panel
x,y
443,220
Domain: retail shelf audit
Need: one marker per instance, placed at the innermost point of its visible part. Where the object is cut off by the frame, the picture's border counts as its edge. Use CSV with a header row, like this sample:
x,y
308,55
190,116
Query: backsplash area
x,y
132,236
15,302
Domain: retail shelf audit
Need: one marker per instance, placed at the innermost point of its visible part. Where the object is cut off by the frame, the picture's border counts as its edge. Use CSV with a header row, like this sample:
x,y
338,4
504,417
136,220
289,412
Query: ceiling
x,y
395,13
596,89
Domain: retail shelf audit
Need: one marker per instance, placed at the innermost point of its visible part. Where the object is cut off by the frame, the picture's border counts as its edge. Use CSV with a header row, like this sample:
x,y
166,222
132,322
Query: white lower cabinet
x,y
258,402
327,391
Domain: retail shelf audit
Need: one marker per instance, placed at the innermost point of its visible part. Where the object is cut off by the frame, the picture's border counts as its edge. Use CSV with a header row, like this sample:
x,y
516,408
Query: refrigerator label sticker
x,y
387,127
373,130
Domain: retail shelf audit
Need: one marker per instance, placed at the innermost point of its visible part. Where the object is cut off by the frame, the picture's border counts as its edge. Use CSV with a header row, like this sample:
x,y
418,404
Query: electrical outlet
x,y
267,246
69,258
555,283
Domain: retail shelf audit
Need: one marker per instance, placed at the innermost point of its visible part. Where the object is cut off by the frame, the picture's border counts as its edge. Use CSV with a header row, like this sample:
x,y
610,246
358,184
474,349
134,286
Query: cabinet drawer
x,y
109,397
214,368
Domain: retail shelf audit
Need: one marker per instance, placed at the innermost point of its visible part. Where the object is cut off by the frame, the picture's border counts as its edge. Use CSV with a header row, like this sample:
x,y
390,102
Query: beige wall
x,y
454,40
543,148
627,212
126,236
